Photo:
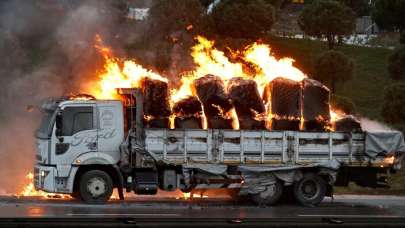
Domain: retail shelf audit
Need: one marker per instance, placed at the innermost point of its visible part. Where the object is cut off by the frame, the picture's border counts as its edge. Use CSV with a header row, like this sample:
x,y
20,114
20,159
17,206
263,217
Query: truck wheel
x,y
310,190
96,187
270,196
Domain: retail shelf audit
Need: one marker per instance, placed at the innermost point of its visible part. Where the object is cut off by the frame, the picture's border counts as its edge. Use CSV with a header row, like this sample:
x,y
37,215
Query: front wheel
x,y
96,186
310,190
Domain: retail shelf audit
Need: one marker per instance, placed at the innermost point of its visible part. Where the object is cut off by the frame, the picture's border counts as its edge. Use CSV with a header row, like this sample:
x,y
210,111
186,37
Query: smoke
x,y
372,125
47,51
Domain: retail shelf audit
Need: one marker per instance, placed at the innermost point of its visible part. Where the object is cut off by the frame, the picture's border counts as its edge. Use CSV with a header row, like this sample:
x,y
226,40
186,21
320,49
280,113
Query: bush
x,y
243,18
393,109
396,63
333,67
342,103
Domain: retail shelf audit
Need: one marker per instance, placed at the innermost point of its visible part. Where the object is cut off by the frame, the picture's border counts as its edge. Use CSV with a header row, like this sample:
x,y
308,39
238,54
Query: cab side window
x,y
76,119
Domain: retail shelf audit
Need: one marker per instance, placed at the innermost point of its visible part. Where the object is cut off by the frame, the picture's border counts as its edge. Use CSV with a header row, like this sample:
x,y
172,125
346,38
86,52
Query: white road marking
x,y
354,216
171,215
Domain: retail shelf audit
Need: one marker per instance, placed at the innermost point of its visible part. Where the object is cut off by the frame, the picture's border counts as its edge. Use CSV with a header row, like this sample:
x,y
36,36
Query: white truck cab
x,y
75,133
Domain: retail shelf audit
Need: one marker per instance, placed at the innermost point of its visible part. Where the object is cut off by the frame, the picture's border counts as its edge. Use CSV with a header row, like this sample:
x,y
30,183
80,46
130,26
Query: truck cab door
x,y
76,135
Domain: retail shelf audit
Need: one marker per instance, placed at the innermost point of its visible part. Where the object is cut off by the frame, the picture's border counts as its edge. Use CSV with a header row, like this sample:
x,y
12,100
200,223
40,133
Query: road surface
x,y
342,210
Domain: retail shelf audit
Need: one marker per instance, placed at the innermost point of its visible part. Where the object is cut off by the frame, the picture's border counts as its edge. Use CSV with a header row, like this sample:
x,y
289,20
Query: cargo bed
x,y
275,148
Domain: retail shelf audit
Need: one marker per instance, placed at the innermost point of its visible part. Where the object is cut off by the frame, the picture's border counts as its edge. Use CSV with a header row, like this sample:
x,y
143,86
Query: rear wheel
x,y
269,196
96,186
310,190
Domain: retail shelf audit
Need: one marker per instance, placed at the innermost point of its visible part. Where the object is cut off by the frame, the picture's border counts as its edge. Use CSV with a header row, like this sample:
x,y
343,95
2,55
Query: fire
x,y
268,67
262,64
119,74
29,190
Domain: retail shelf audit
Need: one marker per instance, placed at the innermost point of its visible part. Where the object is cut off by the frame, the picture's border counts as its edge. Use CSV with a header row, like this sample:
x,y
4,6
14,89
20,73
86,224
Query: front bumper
x,y
44,178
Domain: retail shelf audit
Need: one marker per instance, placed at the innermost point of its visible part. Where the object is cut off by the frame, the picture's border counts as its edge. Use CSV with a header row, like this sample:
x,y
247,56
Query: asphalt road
x,y
342,210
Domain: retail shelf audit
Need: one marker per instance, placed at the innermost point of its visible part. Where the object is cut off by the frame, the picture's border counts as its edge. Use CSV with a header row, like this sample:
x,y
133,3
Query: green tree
x,y
389,14
167,17
393,109
243,18
360,7
333,67
396,63
327,19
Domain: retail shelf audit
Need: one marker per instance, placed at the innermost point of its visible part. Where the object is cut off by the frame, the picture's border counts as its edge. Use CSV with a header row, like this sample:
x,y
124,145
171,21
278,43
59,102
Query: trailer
x,y
87,148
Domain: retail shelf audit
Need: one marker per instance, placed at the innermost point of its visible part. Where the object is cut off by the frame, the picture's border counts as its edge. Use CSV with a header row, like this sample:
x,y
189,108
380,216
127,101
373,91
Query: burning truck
x,y
258,131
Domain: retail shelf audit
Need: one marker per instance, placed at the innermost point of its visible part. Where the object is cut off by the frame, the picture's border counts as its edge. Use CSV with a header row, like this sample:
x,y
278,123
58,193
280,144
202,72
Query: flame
x,y
119,74
29,190
262,64
268,67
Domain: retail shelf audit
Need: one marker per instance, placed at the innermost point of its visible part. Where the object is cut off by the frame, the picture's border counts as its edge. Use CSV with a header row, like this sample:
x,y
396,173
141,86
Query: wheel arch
x,y
111,170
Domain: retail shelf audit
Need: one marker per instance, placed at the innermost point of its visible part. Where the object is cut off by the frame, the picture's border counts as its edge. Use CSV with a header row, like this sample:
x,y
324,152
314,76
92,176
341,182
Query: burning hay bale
x,y
247,102
284,96
210,91
348,123
188,113
157,122
156,102
316,111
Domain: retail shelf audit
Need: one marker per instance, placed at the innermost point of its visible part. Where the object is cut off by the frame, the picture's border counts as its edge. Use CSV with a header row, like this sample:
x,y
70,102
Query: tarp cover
x,y
384,143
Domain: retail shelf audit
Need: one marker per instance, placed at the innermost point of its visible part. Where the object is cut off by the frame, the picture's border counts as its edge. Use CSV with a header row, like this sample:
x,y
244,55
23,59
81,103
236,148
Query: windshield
x,y
45,129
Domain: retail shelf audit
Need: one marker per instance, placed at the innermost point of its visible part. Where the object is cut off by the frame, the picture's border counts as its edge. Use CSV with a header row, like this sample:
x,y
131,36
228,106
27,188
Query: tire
x,y
310,190
96,187
270,196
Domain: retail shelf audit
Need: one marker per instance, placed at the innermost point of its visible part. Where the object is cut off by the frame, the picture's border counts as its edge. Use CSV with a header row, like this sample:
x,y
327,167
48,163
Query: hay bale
x,y
348,123
316,100
156,98
210,91
189,106
188,122
285,97
316,125
251,124
245,97
161,122
219,123
285,125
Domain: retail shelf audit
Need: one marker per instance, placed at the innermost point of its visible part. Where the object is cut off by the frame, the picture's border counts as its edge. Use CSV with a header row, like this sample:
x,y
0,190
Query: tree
x,y
393,109
396,63
389,14
327,19
360,7
167,17
243,18
333,67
